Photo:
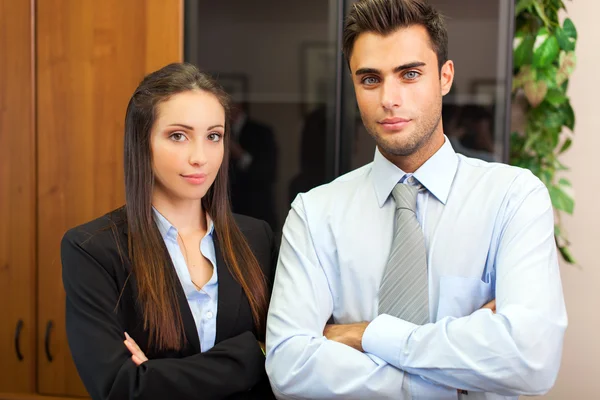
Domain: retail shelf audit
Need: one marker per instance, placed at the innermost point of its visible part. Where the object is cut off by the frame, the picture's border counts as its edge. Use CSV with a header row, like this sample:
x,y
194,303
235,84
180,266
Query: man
x,y
405,290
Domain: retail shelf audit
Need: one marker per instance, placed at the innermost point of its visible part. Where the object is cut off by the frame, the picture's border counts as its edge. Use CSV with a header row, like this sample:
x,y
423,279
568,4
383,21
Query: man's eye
x,y
370,80
412,75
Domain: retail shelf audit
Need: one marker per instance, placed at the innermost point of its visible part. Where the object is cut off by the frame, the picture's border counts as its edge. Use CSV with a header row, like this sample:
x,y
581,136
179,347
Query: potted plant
x,y
543,60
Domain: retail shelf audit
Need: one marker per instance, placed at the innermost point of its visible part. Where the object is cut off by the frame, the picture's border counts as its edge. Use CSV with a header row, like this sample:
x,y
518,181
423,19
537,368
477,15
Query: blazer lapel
x,y
230,294
189,325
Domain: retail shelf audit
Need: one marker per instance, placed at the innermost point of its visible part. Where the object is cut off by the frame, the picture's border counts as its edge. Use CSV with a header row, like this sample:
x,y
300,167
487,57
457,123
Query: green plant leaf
x,y
535,92
526,74
559,166
566,254
565,146
546,176
548,75
569,114
523,49
566,66
539,8
523,5
556,97
561,200
569,28
566,43
564,182
545,49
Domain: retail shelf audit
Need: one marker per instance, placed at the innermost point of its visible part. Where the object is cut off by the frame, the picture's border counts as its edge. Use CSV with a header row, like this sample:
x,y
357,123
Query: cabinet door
x,y
17,198
90,57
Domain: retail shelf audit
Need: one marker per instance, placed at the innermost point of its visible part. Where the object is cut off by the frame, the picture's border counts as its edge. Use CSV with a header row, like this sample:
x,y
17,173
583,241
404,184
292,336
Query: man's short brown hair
x,y
387,16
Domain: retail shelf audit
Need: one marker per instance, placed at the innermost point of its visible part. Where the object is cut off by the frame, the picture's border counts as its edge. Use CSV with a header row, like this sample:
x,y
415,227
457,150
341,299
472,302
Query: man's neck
x,y
414,161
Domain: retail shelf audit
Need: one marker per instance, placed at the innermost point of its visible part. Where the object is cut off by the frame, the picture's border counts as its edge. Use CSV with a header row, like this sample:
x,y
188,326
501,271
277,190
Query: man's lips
x,y
394,124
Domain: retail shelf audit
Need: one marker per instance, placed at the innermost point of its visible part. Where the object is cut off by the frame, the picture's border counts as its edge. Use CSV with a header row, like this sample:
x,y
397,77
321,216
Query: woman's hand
x,y
138,356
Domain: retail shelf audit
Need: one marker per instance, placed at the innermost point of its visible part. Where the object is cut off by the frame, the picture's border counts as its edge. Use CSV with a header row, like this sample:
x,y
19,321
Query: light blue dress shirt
x,y
489,233
203,303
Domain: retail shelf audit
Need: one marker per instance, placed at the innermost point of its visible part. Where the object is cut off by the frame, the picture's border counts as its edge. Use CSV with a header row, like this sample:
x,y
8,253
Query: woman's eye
x,y
178,137
214,137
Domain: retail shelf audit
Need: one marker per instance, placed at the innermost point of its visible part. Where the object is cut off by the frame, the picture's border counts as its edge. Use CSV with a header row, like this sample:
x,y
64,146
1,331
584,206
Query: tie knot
x,y
405,196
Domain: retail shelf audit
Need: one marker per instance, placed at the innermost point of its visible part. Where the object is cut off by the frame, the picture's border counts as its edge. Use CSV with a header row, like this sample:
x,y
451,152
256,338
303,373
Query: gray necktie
x,y
404,288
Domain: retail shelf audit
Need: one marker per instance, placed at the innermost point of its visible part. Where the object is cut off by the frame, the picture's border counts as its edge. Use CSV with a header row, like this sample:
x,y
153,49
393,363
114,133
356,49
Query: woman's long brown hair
x,y
156,282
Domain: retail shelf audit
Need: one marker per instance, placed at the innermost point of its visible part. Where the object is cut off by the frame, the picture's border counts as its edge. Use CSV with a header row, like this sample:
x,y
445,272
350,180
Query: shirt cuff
x,y
386,337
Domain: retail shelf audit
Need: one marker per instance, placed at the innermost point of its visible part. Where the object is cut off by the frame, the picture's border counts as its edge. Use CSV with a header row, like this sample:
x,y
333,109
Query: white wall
x,y
579,377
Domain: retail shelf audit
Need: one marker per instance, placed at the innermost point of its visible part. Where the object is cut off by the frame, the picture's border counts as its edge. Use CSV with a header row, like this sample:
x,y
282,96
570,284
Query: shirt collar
x,y
167,230
436,174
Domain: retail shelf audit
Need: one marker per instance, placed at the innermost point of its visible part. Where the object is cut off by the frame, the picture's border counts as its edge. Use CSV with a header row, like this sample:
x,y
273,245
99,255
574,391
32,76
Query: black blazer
x,y
95,272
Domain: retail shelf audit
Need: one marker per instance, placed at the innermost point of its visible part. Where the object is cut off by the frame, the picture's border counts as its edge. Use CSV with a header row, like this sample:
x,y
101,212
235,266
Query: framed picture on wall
x,y
317,74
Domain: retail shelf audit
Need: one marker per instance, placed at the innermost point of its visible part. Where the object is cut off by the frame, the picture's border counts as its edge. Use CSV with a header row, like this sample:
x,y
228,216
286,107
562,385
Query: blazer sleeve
x,y
95,335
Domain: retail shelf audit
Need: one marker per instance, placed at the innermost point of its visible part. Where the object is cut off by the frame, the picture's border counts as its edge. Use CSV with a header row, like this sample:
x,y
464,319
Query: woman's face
x,y
187,145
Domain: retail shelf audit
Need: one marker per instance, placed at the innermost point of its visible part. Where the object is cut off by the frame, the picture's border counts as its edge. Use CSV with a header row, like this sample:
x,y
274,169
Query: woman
x,y
167,296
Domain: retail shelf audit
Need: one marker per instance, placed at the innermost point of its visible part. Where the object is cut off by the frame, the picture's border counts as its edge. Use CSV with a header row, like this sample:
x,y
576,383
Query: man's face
x,y
399,89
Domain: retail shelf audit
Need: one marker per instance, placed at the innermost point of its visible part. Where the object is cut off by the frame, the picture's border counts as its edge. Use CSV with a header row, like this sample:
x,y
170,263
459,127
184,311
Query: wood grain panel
x,y
90,57
17,196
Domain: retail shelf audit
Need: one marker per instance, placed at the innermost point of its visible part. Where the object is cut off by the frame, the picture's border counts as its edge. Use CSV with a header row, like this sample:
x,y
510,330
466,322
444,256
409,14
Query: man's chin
x,y
396,148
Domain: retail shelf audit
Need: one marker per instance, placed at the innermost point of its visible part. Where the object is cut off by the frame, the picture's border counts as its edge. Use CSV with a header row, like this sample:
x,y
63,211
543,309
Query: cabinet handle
x,y
47,341
18,340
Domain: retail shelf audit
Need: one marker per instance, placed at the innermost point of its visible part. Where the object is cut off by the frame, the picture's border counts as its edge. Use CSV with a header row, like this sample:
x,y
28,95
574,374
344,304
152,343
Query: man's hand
x,y
350,334
491,305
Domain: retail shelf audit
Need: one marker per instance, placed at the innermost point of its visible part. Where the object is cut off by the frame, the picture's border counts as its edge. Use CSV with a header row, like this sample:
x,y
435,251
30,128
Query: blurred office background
x,y
281,61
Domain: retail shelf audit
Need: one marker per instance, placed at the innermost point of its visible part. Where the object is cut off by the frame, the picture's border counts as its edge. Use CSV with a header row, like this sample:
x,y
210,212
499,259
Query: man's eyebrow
x,y
414,64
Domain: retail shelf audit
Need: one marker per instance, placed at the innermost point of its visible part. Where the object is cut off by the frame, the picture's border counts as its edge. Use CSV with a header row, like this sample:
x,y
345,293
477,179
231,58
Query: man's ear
x,y
447,76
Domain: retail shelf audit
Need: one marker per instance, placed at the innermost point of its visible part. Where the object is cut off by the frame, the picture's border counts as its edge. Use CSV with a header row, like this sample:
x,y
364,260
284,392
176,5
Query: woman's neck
x,y
187,216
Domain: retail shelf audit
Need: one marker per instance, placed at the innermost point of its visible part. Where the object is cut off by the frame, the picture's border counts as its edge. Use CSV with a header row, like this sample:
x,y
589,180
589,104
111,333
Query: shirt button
x,y
209,315
411,180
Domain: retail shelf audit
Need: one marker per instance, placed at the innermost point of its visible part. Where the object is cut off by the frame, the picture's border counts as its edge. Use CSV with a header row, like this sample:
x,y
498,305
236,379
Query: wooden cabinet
x,y
61,147
17,198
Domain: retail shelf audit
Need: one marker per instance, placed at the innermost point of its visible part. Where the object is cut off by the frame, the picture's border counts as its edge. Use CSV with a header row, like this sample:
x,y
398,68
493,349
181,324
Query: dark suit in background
x,y
252,191
96,275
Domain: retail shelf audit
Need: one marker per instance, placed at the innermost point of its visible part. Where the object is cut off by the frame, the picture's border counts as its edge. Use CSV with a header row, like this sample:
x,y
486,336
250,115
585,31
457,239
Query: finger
x,y
136,360
130,339
135,350
141,357
137,356
133,342
132,349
